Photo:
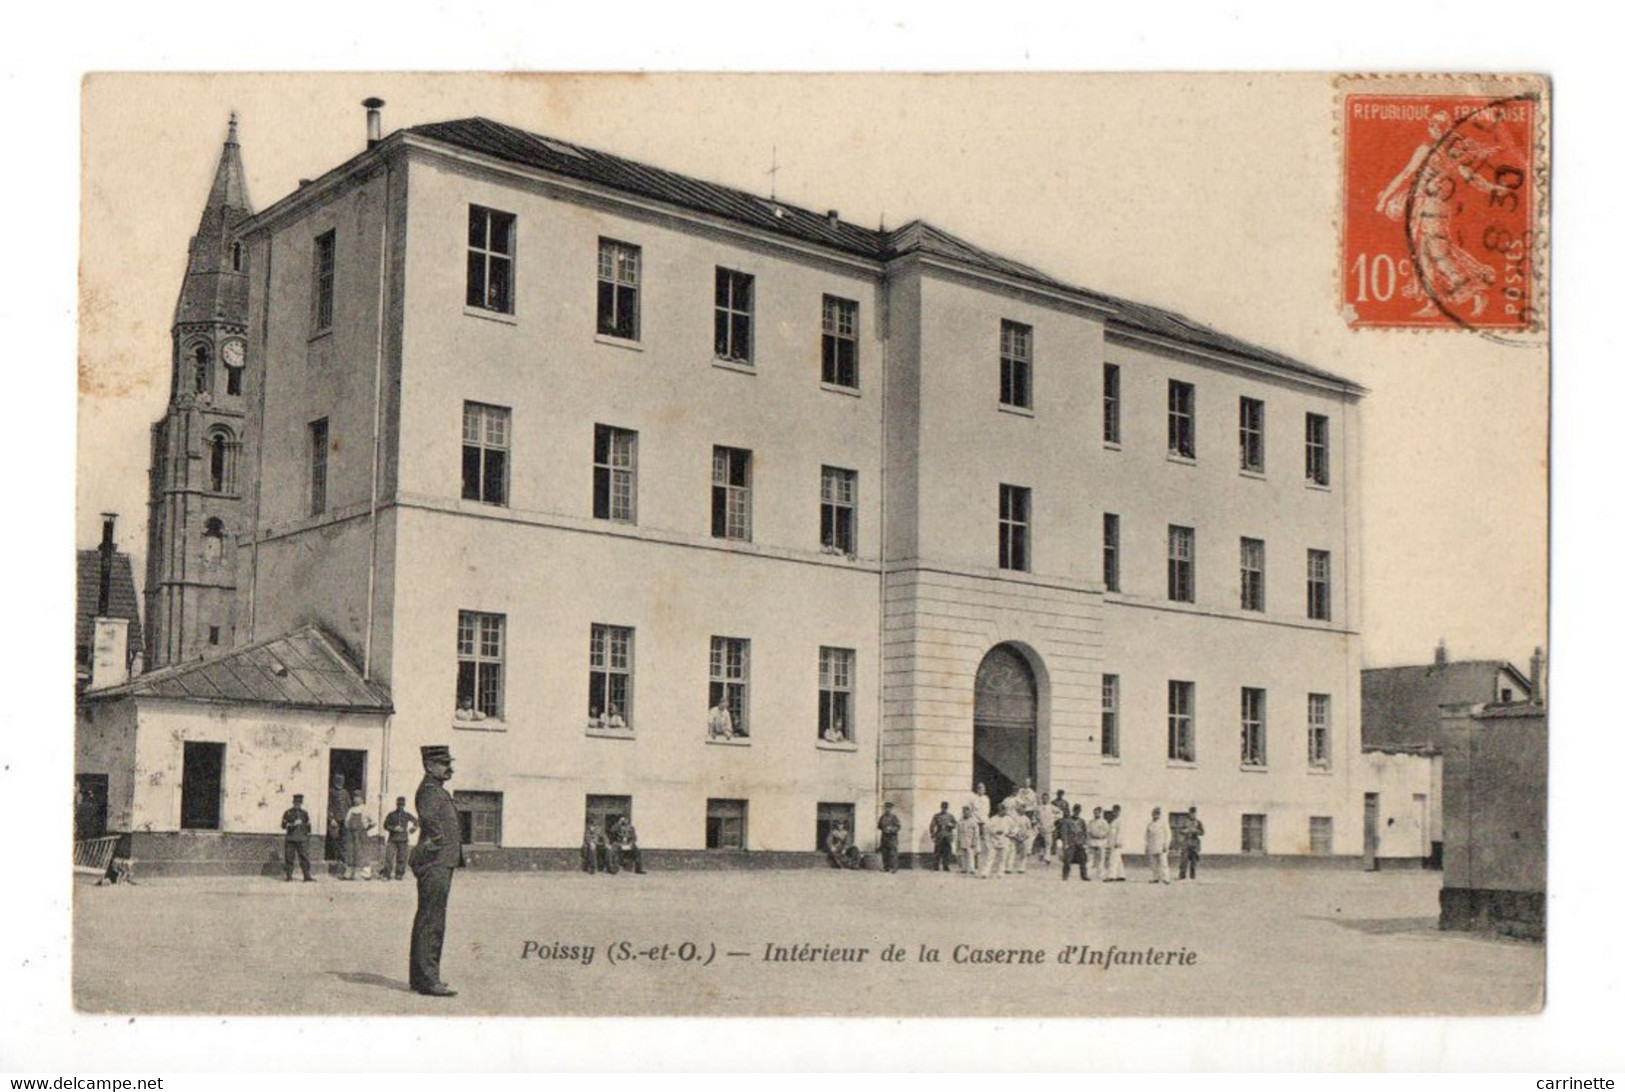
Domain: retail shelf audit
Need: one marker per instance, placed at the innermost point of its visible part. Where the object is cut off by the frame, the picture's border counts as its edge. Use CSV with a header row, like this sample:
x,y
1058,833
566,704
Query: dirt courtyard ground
x,y
1241,941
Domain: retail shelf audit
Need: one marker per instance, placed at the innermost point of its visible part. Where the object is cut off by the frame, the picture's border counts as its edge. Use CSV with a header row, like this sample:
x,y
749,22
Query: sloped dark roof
x,y
302,669
560,157
123,602
491,138
1400,705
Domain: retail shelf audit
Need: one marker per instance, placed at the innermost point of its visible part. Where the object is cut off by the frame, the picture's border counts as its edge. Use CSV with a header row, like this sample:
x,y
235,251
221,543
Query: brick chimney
x,y
1441,655
110,640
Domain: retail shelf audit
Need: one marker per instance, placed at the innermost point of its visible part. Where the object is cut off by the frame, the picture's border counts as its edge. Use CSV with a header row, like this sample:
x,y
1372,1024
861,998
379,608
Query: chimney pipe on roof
x,y
375,120
834,217
1441,655
1537,668
104,594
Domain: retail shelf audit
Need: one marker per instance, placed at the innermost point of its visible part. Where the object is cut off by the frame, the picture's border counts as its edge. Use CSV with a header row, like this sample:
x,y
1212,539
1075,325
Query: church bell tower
x,y
195,480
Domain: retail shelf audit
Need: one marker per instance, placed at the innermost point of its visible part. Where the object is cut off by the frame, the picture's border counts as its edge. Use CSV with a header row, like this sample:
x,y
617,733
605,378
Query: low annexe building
x,y
659,499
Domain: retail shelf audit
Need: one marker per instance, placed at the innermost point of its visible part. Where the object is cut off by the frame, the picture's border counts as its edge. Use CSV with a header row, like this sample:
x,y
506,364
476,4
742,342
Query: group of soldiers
x,y
986,842
349,836
610,850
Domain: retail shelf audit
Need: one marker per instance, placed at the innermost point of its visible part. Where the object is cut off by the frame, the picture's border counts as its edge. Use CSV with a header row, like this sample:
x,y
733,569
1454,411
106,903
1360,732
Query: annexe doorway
x,y
203,768
1005,745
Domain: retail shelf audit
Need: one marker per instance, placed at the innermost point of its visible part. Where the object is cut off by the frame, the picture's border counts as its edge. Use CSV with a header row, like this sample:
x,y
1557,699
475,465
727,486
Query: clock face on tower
x,y
232,354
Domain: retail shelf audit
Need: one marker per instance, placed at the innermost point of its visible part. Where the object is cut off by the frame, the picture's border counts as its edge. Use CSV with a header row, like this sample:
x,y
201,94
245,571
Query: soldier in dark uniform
x,y
295,833
439,851
399,825
338,806
889,826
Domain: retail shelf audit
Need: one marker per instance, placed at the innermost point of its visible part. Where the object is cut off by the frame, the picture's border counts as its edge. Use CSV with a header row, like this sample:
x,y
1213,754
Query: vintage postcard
x,y
819,545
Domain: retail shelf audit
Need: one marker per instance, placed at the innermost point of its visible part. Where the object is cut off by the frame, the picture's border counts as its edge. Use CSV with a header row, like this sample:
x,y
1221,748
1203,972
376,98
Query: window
x,y
321,299
214,635
835,694
1182,564
214,539
729,703
1252,727
1112,406
1181,419
733,320
1252,435
609,679
1252,834
1015,513
490,260
1110,572
828,816
840,342
1317,452
1015,364
614,474
222,459
318,467
1108,717
1320,835
607,811
234,378
1252,574
730,493
200,368
725,824
1181,721
479,817
1320,730
1320,585
485,453
838,511
479,665
236,257
618,267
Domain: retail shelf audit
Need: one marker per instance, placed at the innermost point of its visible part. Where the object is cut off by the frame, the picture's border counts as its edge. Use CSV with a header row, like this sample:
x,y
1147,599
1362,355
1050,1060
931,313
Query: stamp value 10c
x,y
1440,197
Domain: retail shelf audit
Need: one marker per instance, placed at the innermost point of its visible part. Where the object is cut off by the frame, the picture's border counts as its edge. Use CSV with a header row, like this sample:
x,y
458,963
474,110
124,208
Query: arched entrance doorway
x,y
1006,719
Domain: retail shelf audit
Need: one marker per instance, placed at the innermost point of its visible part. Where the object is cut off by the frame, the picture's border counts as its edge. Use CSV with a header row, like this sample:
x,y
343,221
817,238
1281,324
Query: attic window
x,y
561,149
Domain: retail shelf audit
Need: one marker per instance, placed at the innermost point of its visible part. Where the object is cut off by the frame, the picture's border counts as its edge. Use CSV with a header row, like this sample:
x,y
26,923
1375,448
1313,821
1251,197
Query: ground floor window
x,y
828,816
1320,835
203,768
479,814
725,824
607,811
1252,834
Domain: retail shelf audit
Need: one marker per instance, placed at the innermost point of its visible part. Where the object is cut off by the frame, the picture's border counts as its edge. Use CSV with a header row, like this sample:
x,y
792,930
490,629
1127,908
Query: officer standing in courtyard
x,y
295,834
439,851
399,825
889,826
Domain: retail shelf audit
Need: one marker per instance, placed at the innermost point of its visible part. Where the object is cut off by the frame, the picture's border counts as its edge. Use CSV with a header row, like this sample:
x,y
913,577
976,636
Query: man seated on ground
x,y
842,853
626,843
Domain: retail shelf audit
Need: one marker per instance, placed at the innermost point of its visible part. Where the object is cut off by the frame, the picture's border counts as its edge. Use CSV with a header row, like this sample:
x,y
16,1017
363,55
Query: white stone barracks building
x,y
650,495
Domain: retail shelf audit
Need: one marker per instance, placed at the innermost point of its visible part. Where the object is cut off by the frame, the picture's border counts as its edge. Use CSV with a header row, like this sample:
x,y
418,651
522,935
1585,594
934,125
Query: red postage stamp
x,y
1440,210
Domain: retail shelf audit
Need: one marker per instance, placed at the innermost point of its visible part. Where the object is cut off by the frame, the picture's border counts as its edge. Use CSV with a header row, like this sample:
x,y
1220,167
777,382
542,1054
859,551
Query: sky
x,y
1213,195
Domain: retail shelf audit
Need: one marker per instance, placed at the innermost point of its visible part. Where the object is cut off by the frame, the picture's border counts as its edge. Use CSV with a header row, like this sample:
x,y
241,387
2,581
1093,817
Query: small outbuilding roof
x,y
122,601
303,669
